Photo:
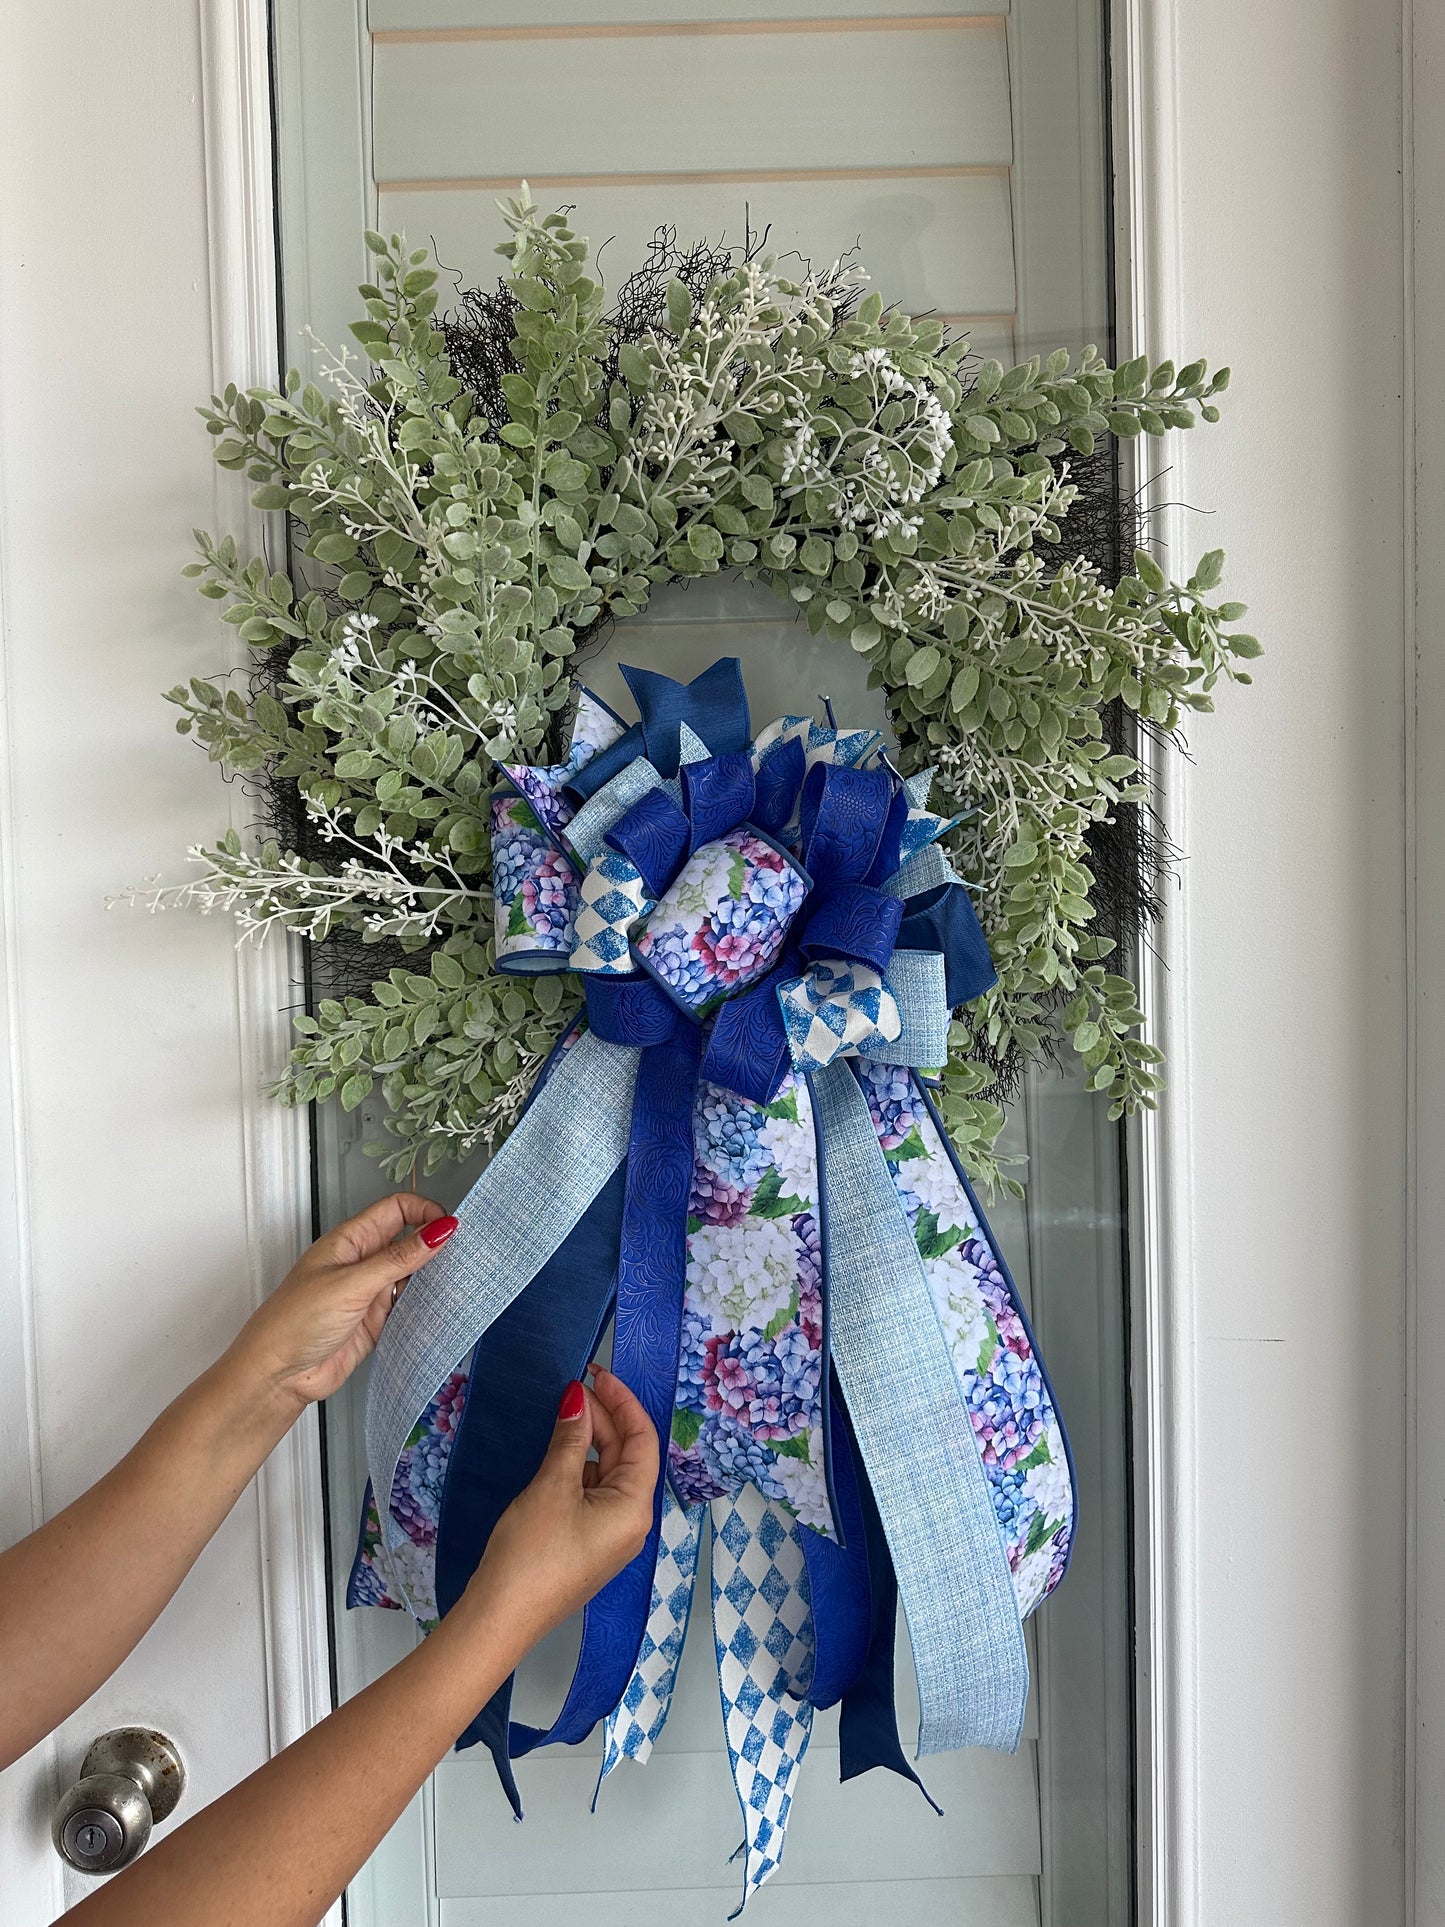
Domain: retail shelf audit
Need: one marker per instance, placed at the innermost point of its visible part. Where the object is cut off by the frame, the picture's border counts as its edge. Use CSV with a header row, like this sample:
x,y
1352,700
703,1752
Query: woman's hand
x,y
327,1313
579,1522
320,1807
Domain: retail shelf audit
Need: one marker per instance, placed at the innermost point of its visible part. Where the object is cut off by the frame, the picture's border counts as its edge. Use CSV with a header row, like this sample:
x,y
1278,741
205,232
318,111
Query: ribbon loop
x,y
718,795
855,922
778,781
843,815
653,836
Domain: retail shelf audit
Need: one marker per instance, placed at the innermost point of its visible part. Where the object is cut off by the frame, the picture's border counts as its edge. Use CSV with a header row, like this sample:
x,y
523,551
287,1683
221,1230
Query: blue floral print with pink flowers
x,y
720,925
535,885
750,1381
1010,1404
381,1573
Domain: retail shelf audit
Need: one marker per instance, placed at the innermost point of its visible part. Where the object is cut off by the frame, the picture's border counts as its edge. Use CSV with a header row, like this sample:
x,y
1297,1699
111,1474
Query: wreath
x,y
473,508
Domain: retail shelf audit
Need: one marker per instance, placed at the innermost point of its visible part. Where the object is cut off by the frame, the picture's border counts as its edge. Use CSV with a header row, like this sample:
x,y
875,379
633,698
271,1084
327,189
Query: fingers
x,y
634,1460
571,1437
605,1435
369,1277
373,1229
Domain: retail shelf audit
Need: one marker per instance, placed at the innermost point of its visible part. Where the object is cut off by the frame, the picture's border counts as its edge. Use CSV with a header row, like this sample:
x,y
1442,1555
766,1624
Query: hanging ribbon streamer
x,y
735,1162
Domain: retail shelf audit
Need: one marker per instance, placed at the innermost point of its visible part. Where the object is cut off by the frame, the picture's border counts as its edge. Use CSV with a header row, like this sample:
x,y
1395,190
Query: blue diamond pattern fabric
x,y
838,1009
763,1631
631,1729
613,897
845,748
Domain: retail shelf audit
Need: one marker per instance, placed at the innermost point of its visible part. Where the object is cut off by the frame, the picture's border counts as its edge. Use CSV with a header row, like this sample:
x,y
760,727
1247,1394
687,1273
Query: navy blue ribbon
x,y
714,706
518,1370
868,1719
651,1274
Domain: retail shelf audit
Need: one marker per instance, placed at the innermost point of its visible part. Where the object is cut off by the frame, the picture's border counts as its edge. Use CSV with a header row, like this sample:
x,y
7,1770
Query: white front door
x,y
963,155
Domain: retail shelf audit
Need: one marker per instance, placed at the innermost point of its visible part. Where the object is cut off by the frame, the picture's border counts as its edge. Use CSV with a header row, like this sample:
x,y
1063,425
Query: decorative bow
x,y
799,1280
762,884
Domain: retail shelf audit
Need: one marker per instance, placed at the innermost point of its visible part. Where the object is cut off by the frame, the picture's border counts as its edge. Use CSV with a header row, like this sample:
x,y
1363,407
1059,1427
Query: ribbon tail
x,y
632,1728
763,1632
838,1573
897,1375
565,1147
521,1363
650,1275
868,1719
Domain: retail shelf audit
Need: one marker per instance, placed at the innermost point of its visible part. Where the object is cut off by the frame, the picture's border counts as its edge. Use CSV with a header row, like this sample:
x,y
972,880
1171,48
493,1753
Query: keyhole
x,y
92,1839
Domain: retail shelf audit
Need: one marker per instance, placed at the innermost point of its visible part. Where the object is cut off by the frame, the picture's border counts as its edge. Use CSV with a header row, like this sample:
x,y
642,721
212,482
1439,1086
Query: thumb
x,y
571,1437
401,1258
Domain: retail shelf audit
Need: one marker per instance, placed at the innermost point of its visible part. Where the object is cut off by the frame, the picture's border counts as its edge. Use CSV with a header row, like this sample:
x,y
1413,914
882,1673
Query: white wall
x,y
1287,993
128,1148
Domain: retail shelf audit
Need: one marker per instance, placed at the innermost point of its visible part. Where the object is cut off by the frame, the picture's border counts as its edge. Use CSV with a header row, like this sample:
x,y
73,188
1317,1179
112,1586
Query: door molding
x,y
235,52
1150,314
1422,46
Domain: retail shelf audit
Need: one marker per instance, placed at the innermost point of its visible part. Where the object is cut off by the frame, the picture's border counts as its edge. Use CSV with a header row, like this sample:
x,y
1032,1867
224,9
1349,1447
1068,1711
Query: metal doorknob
x,y
129,1780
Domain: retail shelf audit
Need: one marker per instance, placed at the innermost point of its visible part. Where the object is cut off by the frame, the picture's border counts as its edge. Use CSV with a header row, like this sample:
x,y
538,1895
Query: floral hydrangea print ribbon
x,y
769,940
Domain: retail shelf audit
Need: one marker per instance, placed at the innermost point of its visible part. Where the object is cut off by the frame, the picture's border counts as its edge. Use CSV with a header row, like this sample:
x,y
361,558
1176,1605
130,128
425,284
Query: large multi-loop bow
x,y
736,1163
765,884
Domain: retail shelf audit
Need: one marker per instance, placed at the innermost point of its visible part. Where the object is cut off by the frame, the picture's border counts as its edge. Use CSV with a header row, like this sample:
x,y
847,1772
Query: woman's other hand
x,y
579,1521
327,1313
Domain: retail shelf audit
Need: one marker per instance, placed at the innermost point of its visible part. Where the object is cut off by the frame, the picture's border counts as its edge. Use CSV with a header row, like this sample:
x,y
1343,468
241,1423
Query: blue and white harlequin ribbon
x,y
613,899
744,916
838,1008
763,1633
633,1725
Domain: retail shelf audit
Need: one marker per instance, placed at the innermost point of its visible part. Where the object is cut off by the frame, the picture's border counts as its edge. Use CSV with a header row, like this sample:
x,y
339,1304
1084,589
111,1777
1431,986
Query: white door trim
x,y
1150,313
1422,43
235,41
32,1876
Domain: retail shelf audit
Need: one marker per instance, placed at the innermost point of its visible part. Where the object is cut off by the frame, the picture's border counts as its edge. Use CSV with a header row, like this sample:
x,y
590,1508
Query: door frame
x,y
1149,314
236,67
1422,49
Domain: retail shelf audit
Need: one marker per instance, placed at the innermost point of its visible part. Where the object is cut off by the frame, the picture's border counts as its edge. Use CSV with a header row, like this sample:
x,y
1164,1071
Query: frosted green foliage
x,y
893,489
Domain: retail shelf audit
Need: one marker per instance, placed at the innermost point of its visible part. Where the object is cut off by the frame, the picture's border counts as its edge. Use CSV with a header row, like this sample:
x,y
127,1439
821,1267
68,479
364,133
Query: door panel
x,y
759,102
948,243
962,1903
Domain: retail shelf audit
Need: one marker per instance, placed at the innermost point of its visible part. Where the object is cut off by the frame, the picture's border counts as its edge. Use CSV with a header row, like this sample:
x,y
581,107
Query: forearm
x,y
77,1596
321,1807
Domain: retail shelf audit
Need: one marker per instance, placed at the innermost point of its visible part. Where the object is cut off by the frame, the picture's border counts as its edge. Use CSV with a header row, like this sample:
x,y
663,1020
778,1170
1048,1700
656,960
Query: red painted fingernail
x,y
574,1402
437,1232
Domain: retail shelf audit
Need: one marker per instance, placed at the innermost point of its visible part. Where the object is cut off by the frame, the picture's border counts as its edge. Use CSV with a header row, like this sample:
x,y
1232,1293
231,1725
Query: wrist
x,y
498,1617
251,1400
478,1648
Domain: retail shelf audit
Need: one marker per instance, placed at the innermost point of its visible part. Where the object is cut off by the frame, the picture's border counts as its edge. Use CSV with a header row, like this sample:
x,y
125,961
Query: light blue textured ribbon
x,y
528,1198
925,871
897,1374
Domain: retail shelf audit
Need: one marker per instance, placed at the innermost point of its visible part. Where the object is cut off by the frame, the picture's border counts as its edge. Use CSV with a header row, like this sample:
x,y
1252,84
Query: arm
x,y
322,1805
106,1566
